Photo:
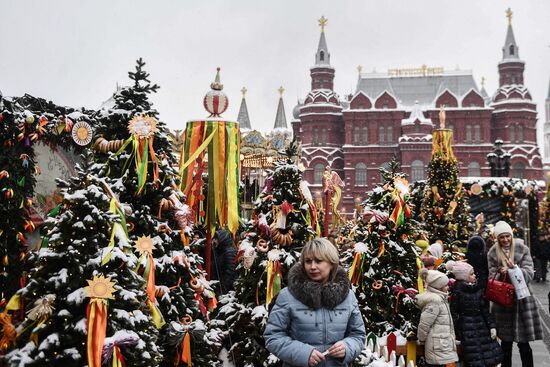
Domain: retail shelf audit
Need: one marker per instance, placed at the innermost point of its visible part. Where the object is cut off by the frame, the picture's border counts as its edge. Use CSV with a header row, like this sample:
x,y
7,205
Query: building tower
x,y
547,130
515,115
317,123
280,117
243,118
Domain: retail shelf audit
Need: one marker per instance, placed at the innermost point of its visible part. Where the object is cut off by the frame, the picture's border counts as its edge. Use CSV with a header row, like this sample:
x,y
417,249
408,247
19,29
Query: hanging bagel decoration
x,y
262,245
103,145
280,236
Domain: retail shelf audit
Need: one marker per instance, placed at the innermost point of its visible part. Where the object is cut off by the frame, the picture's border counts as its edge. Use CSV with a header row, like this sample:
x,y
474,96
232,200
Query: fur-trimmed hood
x,y
317,295
431,295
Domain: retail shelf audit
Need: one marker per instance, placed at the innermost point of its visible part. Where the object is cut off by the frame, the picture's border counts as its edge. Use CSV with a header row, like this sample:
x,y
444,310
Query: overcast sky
x,y
74,52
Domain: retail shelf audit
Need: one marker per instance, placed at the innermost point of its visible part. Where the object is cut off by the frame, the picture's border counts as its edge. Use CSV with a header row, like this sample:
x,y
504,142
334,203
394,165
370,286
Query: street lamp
x,y
499,160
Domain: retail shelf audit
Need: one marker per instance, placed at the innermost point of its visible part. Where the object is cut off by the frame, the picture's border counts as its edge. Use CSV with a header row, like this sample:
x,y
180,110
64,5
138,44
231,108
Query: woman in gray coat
x,y
521,323
316,320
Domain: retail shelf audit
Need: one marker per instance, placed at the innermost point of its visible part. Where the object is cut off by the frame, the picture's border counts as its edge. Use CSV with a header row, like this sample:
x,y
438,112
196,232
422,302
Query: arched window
x,y
315,136
513,80
356,136
512,50
322,55
512,130
417,128
474,170
324,136
477,133
520,136
452,128
365,135
361,174
518,170
318,171
468,133
390,134
417,170
381,135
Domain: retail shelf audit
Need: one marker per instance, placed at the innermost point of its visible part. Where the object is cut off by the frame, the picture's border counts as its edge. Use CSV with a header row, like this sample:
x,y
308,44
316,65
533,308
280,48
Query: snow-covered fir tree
x,y
135,147
445,211
88,228
283,222
382,264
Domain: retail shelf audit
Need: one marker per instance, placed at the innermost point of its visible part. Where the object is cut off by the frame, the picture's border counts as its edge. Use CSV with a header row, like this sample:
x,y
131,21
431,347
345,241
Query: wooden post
x,y
327,211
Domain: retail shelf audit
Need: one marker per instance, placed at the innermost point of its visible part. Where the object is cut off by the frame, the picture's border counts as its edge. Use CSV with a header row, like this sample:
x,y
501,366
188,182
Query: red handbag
x,y
500,291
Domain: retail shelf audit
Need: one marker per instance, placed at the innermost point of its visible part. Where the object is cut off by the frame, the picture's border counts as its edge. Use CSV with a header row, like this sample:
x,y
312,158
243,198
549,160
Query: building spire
x,y
280,118
243,117
510,49
322,57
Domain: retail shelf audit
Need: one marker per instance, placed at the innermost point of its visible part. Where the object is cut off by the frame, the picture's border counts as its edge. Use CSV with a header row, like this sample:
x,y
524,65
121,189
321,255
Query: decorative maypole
x,y
212,146
445,212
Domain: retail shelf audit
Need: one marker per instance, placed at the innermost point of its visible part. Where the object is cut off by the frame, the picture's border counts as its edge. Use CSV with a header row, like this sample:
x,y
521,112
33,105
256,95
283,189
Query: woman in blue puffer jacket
x,y
316,320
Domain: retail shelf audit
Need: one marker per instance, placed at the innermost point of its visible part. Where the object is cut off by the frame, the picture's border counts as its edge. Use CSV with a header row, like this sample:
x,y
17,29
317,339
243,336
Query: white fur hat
x,y
501,227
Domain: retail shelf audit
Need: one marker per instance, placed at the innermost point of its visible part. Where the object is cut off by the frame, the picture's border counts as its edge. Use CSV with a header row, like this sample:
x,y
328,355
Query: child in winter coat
x,y
435,328
474,325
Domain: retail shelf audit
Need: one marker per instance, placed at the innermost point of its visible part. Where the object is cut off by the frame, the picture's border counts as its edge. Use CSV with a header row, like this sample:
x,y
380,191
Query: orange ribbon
x,y
97,329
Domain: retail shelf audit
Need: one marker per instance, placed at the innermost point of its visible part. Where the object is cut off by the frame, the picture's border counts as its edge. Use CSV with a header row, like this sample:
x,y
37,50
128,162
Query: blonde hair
x,y
501,256
321,249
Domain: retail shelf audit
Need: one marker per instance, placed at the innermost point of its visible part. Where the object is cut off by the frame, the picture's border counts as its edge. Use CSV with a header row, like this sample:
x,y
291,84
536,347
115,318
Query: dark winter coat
x,y
473,323
223,262
309,315
476,255
521,323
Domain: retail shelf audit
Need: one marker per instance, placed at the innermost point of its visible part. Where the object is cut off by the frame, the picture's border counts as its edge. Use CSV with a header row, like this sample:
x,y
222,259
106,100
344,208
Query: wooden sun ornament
x,y
82,133
142,126
99,290
100,287
144,245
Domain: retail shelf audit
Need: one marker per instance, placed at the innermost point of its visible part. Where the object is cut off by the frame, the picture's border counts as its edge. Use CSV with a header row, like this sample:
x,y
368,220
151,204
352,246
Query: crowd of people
x,y
315,320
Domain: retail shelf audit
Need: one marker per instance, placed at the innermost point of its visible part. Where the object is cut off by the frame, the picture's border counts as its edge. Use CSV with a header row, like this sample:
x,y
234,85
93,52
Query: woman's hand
x,y
337,350
315,357
509,263
503,270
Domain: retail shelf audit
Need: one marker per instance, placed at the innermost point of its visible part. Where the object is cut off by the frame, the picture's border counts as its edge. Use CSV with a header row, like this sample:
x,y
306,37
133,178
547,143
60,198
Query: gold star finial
x,y
243,91
359,69
323,22
509,14
281,90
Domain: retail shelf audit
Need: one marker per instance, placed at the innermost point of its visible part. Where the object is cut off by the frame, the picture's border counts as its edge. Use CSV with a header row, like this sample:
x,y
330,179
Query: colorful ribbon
x,y
97,328
274,276
119,228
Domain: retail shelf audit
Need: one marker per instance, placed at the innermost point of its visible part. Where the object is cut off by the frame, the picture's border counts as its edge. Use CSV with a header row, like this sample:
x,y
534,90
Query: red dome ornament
x,y
216,101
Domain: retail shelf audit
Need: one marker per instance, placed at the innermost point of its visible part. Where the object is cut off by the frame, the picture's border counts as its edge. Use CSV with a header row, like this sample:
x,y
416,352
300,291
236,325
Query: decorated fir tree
x,y
445,210
382,264
134,147
283,221
83,286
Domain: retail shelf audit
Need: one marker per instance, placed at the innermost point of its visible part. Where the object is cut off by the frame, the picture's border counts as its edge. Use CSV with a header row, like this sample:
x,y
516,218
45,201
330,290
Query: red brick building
x,y
394,113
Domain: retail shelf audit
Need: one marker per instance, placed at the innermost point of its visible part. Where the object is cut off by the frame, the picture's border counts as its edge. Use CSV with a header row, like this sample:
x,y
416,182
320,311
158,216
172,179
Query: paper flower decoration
x,y
82,133
100,287
43,307
142,126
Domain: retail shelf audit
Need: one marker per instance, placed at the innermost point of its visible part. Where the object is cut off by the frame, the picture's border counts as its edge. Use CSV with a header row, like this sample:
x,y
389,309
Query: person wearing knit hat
x,y
476,255
435,328
474,325
521,323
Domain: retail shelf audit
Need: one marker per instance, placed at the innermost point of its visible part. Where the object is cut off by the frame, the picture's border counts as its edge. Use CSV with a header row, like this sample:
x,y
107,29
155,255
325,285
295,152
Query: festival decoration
x,y
221,141
144,246
216,101
82,133
99,290
119,228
